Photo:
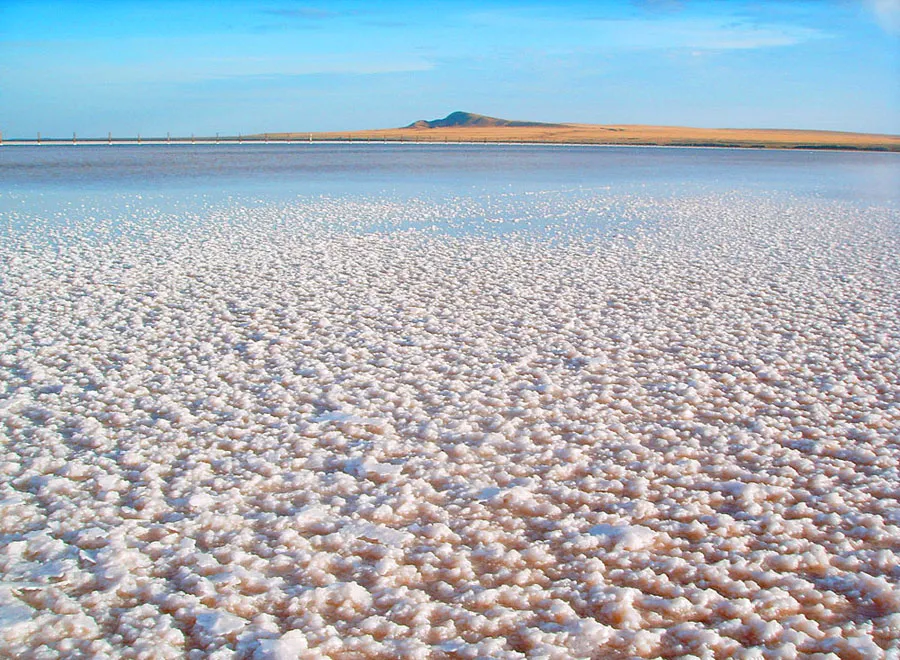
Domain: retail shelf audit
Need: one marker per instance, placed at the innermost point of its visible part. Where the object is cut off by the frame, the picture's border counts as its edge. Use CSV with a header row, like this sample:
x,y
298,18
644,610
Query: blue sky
x,y
196,66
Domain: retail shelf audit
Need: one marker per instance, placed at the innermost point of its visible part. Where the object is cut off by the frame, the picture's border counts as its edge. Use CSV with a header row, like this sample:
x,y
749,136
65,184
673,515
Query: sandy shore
x,y
584,134
623,135
274,436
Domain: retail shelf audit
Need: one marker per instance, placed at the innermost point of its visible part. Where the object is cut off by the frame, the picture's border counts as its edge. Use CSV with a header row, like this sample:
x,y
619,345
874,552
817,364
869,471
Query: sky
x,y
195,66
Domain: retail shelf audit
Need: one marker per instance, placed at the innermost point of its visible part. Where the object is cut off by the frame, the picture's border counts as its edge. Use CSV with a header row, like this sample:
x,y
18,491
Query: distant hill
x,y
462,119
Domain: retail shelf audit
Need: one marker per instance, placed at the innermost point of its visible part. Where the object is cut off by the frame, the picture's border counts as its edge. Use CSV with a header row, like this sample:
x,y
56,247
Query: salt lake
x,y
361,401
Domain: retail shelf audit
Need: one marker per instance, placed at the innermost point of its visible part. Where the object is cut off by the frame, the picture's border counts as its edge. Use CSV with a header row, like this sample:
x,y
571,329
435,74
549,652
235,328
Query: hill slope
x,y
464,119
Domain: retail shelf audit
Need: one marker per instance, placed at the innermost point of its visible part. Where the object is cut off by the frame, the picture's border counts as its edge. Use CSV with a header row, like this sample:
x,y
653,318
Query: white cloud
x,y
887,13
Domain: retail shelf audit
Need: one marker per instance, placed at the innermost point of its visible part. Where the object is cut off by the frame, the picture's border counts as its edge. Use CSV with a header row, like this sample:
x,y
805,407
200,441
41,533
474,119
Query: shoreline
x,y
354,140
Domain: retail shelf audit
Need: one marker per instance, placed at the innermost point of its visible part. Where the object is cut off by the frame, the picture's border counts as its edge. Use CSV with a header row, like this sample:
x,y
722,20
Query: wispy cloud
x,y
302,13
659,5
663,31
743,36
378,23
87,63
357,65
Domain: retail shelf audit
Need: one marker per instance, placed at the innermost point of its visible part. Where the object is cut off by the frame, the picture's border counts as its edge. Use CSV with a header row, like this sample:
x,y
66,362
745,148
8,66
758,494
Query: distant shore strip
x,y
733,138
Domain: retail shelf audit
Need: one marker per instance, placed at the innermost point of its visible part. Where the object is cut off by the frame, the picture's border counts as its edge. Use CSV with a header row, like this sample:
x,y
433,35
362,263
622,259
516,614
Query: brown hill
x,y
468,119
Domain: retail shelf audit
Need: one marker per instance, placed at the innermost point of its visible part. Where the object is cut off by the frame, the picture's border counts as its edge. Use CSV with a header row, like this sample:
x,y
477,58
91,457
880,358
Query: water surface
x,y
84,182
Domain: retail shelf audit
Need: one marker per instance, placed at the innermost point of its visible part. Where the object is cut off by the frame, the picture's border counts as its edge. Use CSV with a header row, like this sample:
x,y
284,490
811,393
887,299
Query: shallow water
x,y
116,181
329,169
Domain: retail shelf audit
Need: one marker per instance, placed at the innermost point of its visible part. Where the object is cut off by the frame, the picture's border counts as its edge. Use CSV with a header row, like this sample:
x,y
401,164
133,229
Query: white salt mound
x,y
270,434
629,537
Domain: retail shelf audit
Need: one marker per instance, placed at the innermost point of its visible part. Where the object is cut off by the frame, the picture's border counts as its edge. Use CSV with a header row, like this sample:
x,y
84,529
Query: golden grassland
x,y
620,135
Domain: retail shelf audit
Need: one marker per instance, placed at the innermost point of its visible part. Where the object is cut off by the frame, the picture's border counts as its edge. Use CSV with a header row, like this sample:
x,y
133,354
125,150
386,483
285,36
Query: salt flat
x,y
277,434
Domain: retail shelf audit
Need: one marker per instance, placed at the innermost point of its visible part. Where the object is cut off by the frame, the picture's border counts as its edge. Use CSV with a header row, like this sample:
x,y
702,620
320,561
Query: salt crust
x,y
271,434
